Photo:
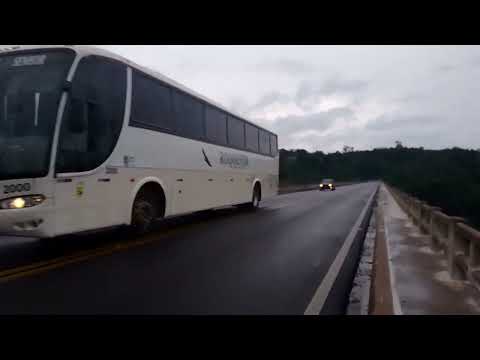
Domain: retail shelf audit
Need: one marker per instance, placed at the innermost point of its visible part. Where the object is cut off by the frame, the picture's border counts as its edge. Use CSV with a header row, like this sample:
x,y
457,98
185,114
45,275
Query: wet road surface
x,y
226,261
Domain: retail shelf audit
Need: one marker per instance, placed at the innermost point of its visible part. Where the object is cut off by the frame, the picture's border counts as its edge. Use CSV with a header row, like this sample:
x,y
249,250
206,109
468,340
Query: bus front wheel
x,y
144,213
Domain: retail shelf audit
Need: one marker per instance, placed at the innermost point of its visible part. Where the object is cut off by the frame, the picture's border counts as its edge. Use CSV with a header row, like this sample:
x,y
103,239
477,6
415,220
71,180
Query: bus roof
x,y
93,50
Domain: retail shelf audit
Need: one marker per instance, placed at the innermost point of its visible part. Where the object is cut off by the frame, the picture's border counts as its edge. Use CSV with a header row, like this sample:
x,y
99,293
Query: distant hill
x,y
447,178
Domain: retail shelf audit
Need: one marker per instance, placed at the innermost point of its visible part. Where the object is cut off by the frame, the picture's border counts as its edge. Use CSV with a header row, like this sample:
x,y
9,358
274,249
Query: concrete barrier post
x,y
451,251
420,213
409,206
424,218
472,236
432,226
406,201
416,211
452,248
474,255
474,267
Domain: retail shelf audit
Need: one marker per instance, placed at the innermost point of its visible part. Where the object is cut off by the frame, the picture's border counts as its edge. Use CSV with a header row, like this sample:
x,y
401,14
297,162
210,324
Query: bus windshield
x,y
31,84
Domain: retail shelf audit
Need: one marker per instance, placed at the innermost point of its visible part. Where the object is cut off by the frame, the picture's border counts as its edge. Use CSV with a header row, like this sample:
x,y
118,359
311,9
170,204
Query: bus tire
x,y
256,198
144,213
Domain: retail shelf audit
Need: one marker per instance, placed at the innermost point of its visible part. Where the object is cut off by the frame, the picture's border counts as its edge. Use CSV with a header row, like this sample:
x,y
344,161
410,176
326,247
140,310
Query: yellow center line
x,y
44,263
42,266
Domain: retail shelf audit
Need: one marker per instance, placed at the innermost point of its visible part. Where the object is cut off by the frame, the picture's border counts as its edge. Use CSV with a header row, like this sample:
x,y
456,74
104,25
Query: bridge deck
x,y
227,261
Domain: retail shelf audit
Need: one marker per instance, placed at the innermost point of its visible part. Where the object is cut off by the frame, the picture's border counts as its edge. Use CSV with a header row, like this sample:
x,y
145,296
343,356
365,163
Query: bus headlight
x,y
22,202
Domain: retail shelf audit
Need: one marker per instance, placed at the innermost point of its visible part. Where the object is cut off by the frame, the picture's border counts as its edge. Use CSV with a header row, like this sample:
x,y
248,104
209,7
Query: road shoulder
x,y
382,297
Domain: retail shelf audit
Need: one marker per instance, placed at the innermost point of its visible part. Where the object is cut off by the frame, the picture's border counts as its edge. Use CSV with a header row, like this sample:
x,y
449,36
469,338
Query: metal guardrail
x,y
460,242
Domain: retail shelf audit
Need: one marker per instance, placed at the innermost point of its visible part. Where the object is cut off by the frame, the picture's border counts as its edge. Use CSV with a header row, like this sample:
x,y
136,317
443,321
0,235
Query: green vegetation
x,y
447,178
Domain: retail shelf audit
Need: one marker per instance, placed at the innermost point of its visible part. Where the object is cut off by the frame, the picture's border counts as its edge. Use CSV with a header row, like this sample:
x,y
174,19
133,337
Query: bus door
x,y
87,193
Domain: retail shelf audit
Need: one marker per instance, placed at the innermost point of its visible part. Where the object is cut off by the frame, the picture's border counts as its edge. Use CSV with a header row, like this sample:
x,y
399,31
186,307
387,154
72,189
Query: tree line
x,y
448,178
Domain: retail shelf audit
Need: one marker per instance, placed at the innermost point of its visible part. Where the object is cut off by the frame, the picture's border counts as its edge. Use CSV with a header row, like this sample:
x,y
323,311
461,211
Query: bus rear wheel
x,y
256,198
144,213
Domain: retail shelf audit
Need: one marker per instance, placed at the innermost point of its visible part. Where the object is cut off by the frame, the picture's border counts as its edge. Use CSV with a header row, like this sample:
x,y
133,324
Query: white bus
x,y
90,140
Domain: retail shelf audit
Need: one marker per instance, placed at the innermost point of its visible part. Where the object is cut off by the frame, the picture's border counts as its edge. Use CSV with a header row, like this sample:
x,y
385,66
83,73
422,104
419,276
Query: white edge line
x,y
318,300
397,308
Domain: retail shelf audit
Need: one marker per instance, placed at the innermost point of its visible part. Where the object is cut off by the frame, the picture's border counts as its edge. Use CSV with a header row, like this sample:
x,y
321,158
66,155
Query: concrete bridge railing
x,y
460,242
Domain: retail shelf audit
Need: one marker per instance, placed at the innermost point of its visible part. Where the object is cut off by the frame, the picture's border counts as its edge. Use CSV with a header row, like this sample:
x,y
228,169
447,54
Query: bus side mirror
x,y
77,119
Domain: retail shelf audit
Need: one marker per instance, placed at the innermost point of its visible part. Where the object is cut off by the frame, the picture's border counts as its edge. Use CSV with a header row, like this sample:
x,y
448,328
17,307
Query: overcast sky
x,y
325,97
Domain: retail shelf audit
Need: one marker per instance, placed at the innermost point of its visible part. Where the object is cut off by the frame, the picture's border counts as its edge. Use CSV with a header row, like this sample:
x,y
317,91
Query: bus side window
x,y
216,125
151,103
236,132
264,142
251,137
273,145
188,116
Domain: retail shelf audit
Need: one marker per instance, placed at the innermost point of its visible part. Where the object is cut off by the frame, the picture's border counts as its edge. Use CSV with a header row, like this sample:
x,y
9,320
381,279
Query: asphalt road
x,y
227,261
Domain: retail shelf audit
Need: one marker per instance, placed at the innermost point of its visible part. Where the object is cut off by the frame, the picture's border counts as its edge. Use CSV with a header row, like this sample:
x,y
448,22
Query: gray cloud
x,y
475,61
308,90
366,138
288,66
238,105
415,131
389,122
269,99
339,85
410,98
336,85
446,68
320,121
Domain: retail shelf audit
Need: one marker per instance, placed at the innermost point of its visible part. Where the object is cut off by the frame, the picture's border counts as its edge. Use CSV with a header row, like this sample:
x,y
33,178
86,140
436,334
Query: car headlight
x,y
330,185
21,202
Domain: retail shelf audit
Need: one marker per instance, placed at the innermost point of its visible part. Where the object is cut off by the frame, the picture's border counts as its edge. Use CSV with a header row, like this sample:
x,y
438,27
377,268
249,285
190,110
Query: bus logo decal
x,y
234,161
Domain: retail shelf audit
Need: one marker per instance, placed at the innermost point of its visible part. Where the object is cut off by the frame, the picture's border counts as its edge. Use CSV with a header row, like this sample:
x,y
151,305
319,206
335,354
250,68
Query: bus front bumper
x,y
36,221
